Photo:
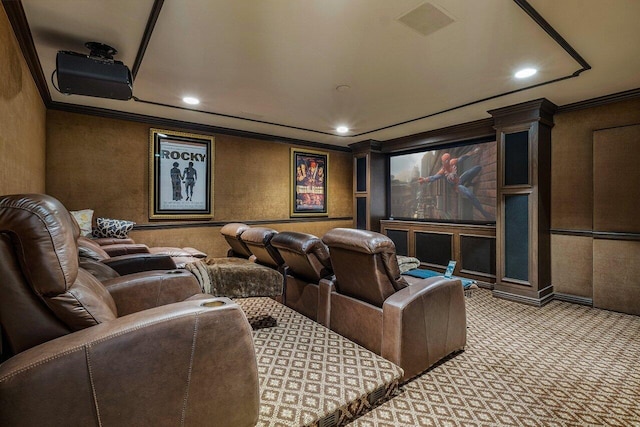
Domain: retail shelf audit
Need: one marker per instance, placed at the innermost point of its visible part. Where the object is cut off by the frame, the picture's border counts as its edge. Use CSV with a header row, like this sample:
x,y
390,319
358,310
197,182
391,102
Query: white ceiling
x,y
278,62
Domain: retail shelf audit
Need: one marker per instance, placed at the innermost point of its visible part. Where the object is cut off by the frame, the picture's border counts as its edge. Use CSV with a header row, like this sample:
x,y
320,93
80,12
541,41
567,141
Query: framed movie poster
x,y
180,175
309,173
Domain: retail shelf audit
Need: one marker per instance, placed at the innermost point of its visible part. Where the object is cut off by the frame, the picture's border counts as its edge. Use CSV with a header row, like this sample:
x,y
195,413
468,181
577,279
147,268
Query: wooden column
x,y
369,185
523,244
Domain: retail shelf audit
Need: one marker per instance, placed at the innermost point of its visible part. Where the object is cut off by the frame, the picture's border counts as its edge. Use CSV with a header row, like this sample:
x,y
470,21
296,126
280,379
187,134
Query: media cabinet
x,y
473,247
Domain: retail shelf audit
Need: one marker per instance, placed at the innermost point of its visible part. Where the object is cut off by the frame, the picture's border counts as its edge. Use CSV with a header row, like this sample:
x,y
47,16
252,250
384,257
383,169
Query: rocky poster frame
x,y
185,194
309,178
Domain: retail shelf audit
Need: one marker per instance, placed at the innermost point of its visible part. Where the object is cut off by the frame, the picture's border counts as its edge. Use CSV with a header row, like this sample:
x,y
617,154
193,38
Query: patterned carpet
x,y
308,375
559,365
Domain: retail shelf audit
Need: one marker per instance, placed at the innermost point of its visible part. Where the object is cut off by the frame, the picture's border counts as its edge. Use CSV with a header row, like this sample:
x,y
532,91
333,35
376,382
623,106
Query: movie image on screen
x,y
455,184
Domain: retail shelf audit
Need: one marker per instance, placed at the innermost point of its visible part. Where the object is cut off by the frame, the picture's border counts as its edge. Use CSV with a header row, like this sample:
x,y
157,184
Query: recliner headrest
x,y
302,243
292,240
359,240
44,231
305,255
232,233
258,235
234,229
258,239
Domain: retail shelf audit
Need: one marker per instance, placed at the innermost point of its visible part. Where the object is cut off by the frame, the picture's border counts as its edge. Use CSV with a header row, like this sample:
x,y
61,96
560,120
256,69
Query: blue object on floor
x,y
424,274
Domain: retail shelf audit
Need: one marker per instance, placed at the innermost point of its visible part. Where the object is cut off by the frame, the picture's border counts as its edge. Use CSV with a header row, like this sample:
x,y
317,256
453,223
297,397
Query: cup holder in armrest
x,y
174,272
216,303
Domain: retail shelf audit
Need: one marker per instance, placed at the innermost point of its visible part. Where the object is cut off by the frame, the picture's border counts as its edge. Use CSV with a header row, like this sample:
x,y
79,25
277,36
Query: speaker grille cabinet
x,y
523,244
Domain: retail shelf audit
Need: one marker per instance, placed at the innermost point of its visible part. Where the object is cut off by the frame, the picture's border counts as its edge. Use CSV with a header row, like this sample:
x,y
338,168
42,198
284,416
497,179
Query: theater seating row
x,y
109,257
350,282
108,344
141,349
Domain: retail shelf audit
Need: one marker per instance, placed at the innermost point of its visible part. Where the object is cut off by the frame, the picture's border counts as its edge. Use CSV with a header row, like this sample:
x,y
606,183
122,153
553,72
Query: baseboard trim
x,y
537,302
485,285
573,299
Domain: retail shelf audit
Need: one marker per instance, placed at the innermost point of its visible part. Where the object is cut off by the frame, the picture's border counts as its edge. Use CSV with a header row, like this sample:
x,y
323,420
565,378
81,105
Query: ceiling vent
x,y
426,19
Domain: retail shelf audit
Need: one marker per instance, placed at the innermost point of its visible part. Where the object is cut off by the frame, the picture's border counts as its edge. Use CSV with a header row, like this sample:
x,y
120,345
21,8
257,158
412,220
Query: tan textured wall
x,y
574,258
615,275
22,120
209,239
572,265
616,179
102,164
572,160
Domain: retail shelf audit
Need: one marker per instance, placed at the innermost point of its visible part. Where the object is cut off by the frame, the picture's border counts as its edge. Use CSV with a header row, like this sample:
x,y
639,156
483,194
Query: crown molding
x,y
540,110
16,15
600,101
456,133
183,125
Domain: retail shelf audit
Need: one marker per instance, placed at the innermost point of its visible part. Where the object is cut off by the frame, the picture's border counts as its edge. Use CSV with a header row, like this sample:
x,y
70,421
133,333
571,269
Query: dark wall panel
x,y
478,254
361,213
400,239
516,158
361,174
516,239
433,248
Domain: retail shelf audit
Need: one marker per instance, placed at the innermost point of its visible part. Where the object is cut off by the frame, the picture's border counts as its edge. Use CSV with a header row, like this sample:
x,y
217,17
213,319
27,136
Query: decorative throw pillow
x,y
116,228
84,219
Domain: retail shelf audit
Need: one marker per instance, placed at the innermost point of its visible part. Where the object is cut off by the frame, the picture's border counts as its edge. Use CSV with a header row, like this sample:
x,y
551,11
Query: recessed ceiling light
x,y
191,100
342,129
525,72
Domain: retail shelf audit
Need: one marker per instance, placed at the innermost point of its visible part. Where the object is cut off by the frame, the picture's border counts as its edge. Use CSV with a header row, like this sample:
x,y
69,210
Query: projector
x,y
96,74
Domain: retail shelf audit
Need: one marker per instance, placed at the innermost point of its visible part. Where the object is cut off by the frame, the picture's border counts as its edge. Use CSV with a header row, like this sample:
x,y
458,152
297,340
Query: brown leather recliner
x,y
79,356
258,240
232,233
306,263
122,264
117,247
413,323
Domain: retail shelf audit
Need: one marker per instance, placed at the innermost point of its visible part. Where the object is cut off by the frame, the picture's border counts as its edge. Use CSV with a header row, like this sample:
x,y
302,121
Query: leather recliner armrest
x,y
148,289
135,263
98,269
423,323
102,241
126,249
197,362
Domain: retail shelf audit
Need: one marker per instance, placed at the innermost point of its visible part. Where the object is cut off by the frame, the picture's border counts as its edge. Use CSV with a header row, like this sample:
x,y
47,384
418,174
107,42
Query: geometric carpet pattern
x,y
309,375
558,365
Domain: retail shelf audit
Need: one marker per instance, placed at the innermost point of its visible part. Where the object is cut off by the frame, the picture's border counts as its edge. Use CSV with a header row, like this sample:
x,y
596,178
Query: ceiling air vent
x,y
426,19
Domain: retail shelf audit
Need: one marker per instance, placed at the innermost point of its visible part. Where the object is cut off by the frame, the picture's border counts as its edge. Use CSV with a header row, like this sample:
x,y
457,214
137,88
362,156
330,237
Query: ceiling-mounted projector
x,y
96,74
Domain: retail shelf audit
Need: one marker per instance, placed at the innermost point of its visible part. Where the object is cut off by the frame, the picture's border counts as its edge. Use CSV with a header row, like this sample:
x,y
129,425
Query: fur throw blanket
x,y
406,263
236,278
